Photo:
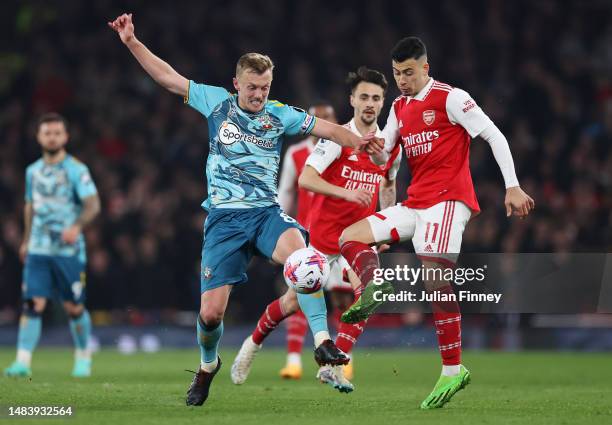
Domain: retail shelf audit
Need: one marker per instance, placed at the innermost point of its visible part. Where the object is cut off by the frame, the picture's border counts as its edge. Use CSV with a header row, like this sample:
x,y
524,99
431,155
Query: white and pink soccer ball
x,y
306,271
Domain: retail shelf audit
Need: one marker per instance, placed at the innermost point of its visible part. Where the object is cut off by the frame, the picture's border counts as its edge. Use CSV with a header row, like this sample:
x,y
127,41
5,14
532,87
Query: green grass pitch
x,y
519,388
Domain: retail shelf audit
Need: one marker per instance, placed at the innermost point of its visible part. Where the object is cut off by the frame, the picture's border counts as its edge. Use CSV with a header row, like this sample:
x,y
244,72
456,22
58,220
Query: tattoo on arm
x,y
387,194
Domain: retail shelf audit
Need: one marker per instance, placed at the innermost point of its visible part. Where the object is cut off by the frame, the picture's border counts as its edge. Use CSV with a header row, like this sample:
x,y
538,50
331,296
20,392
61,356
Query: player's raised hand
x,y
358,196
373,145
517,202
124,27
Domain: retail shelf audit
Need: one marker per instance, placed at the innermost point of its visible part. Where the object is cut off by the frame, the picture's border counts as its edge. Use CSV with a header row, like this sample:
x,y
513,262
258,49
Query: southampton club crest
x,y
265,122
429,116
207,273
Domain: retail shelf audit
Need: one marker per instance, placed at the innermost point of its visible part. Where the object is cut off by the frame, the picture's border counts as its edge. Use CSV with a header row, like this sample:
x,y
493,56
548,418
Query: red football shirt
x,y
435,128
342,166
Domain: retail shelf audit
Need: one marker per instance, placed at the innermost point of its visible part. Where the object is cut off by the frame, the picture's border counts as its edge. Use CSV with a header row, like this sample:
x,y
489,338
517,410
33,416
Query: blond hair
x,y
255,62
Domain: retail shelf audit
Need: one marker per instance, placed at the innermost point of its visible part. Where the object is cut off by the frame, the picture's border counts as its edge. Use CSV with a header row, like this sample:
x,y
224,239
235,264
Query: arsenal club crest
x,y
429,116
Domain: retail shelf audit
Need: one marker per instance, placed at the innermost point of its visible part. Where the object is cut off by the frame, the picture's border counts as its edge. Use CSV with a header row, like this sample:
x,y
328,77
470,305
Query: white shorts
x,y
436,232
338,269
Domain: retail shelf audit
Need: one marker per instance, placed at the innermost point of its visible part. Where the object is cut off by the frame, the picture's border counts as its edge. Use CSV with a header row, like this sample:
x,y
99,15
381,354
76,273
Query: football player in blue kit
x,y
60,199
246,132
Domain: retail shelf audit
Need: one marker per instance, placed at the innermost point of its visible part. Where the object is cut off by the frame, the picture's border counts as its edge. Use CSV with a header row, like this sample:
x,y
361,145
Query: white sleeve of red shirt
x,y
391,130
463,110
286,185
395,165
323,154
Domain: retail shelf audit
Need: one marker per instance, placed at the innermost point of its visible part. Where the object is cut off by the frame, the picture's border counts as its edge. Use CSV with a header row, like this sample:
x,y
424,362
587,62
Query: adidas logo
x,y
428,248
353,157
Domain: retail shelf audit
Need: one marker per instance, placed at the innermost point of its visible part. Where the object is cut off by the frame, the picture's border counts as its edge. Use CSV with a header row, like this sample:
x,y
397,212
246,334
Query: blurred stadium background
x,y
542,70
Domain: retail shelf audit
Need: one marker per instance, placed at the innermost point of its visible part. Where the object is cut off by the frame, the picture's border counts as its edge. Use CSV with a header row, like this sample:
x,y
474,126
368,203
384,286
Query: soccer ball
x,y
306,271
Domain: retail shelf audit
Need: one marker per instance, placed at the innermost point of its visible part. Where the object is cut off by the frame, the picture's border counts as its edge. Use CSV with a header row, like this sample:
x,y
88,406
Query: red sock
x,y
297,325
268,321
362,259
348,334
447,320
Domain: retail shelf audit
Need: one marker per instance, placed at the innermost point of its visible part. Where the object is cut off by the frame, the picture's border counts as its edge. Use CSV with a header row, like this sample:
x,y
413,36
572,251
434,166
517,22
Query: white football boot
x,y
334,376
243,361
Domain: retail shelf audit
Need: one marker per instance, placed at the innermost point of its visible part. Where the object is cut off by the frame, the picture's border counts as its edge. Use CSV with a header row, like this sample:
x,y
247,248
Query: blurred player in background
x,y
60,200
295,201
434,123
346,183
246,132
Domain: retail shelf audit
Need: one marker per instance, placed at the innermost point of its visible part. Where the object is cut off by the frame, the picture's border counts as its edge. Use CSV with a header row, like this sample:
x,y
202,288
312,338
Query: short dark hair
x,y
365,74
408,48
51,117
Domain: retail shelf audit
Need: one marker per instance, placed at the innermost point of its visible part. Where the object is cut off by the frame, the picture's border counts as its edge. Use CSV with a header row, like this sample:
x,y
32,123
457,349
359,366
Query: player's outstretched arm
x,y
517,202
159,70
337,134
310,179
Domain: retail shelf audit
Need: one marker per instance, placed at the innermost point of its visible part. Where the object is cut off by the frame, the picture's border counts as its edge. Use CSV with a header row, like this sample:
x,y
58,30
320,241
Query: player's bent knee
x,y
211,317
351,233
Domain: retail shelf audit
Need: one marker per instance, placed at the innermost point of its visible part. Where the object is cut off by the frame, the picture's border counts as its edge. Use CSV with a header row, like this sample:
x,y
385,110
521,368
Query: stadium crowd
x,y
540,73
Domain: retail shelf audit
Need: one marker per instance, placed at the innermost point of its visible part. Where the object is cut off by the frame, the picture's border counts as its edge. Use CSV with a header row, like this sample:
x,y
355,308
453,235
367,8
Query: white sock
x,y
294,359
450,370
321,336
209,367
25,357
82,354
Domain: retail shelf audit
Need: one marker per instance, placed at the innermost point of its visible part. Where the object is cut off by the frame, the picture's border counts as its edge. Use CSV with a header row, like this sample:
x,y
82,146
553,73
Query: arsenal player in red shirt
x,y
347,184
434,123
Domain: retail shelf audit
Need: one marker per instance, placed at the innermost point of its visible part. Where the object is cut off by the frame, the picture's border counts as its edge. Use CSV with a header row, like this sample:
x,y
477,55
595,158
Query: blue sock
x,y
208,340
314,308
30,325
80,328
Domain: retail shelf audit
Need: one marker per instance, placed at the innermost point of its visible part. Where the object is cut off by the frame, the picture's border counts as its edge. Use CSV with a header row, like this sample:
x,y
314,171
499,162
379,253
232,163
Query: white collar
x,y
424,91
353,128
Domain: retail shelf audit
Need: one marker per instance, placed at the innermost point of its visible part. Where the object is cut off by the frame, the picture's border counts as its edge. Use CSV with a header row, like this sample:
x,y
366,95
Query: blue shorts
x,y
49,276
233,236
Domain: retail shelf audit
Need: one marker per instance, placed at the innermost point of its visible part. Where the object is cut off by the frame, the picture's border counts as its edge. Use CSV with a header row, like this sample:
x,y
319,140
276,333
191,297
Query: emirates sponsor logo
x,y
360,175
359,179
420,143
429,116
422,137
